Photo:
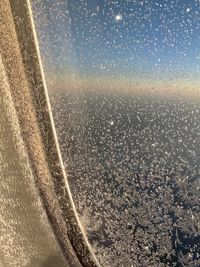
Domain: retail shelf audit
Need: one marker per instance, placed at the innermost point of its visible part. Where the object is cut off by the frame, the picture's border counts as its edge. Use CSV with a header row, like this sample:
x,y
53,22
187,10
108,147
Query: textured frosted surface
x,y
26,238
123,78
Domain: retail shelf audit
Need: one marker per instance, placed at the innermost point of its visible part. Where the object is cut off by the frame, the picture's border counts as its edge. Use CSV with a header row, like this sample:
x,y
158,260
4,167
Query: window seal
x,y
40,137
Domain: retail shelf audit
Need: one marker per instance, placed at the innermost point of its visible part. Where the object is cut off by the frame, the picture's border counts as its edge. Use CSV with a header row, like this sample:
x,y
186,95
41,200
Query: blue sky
x,y
157,39
152,37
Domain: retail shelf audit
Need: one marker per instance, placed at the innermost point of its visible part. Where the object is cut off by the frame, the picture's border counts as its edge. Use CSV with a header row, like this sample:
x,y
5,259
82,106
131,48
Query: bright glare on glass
x,y
118,17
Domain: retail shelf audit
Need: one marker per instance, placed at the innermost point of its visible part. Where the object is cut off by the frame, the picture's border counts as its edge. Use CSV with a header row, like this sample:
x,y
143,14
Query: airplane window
x,y
123,80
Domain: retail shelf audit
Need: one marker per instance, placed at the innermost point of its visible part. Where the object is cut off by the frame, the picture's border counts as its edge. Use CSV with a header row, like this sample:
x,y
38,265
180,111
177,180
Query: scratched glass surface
x,y
124,84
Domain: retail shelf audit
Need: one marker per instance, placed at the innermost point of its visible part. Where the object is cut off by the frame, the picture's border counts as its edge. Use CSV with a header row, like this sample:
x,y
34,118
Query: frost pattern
x,y
124,86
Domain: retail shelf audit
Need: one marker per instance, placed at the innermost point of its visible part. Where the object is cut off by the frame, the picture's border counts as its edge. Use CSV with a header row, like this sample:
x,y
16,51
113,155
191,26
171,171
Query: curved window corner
x,y
39,221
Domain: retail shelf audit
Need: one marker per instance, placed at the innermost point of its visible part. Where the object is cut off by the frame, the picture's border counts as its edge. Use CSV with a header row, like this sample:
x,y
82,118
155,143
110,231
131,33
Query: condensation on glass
x,y
124,84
